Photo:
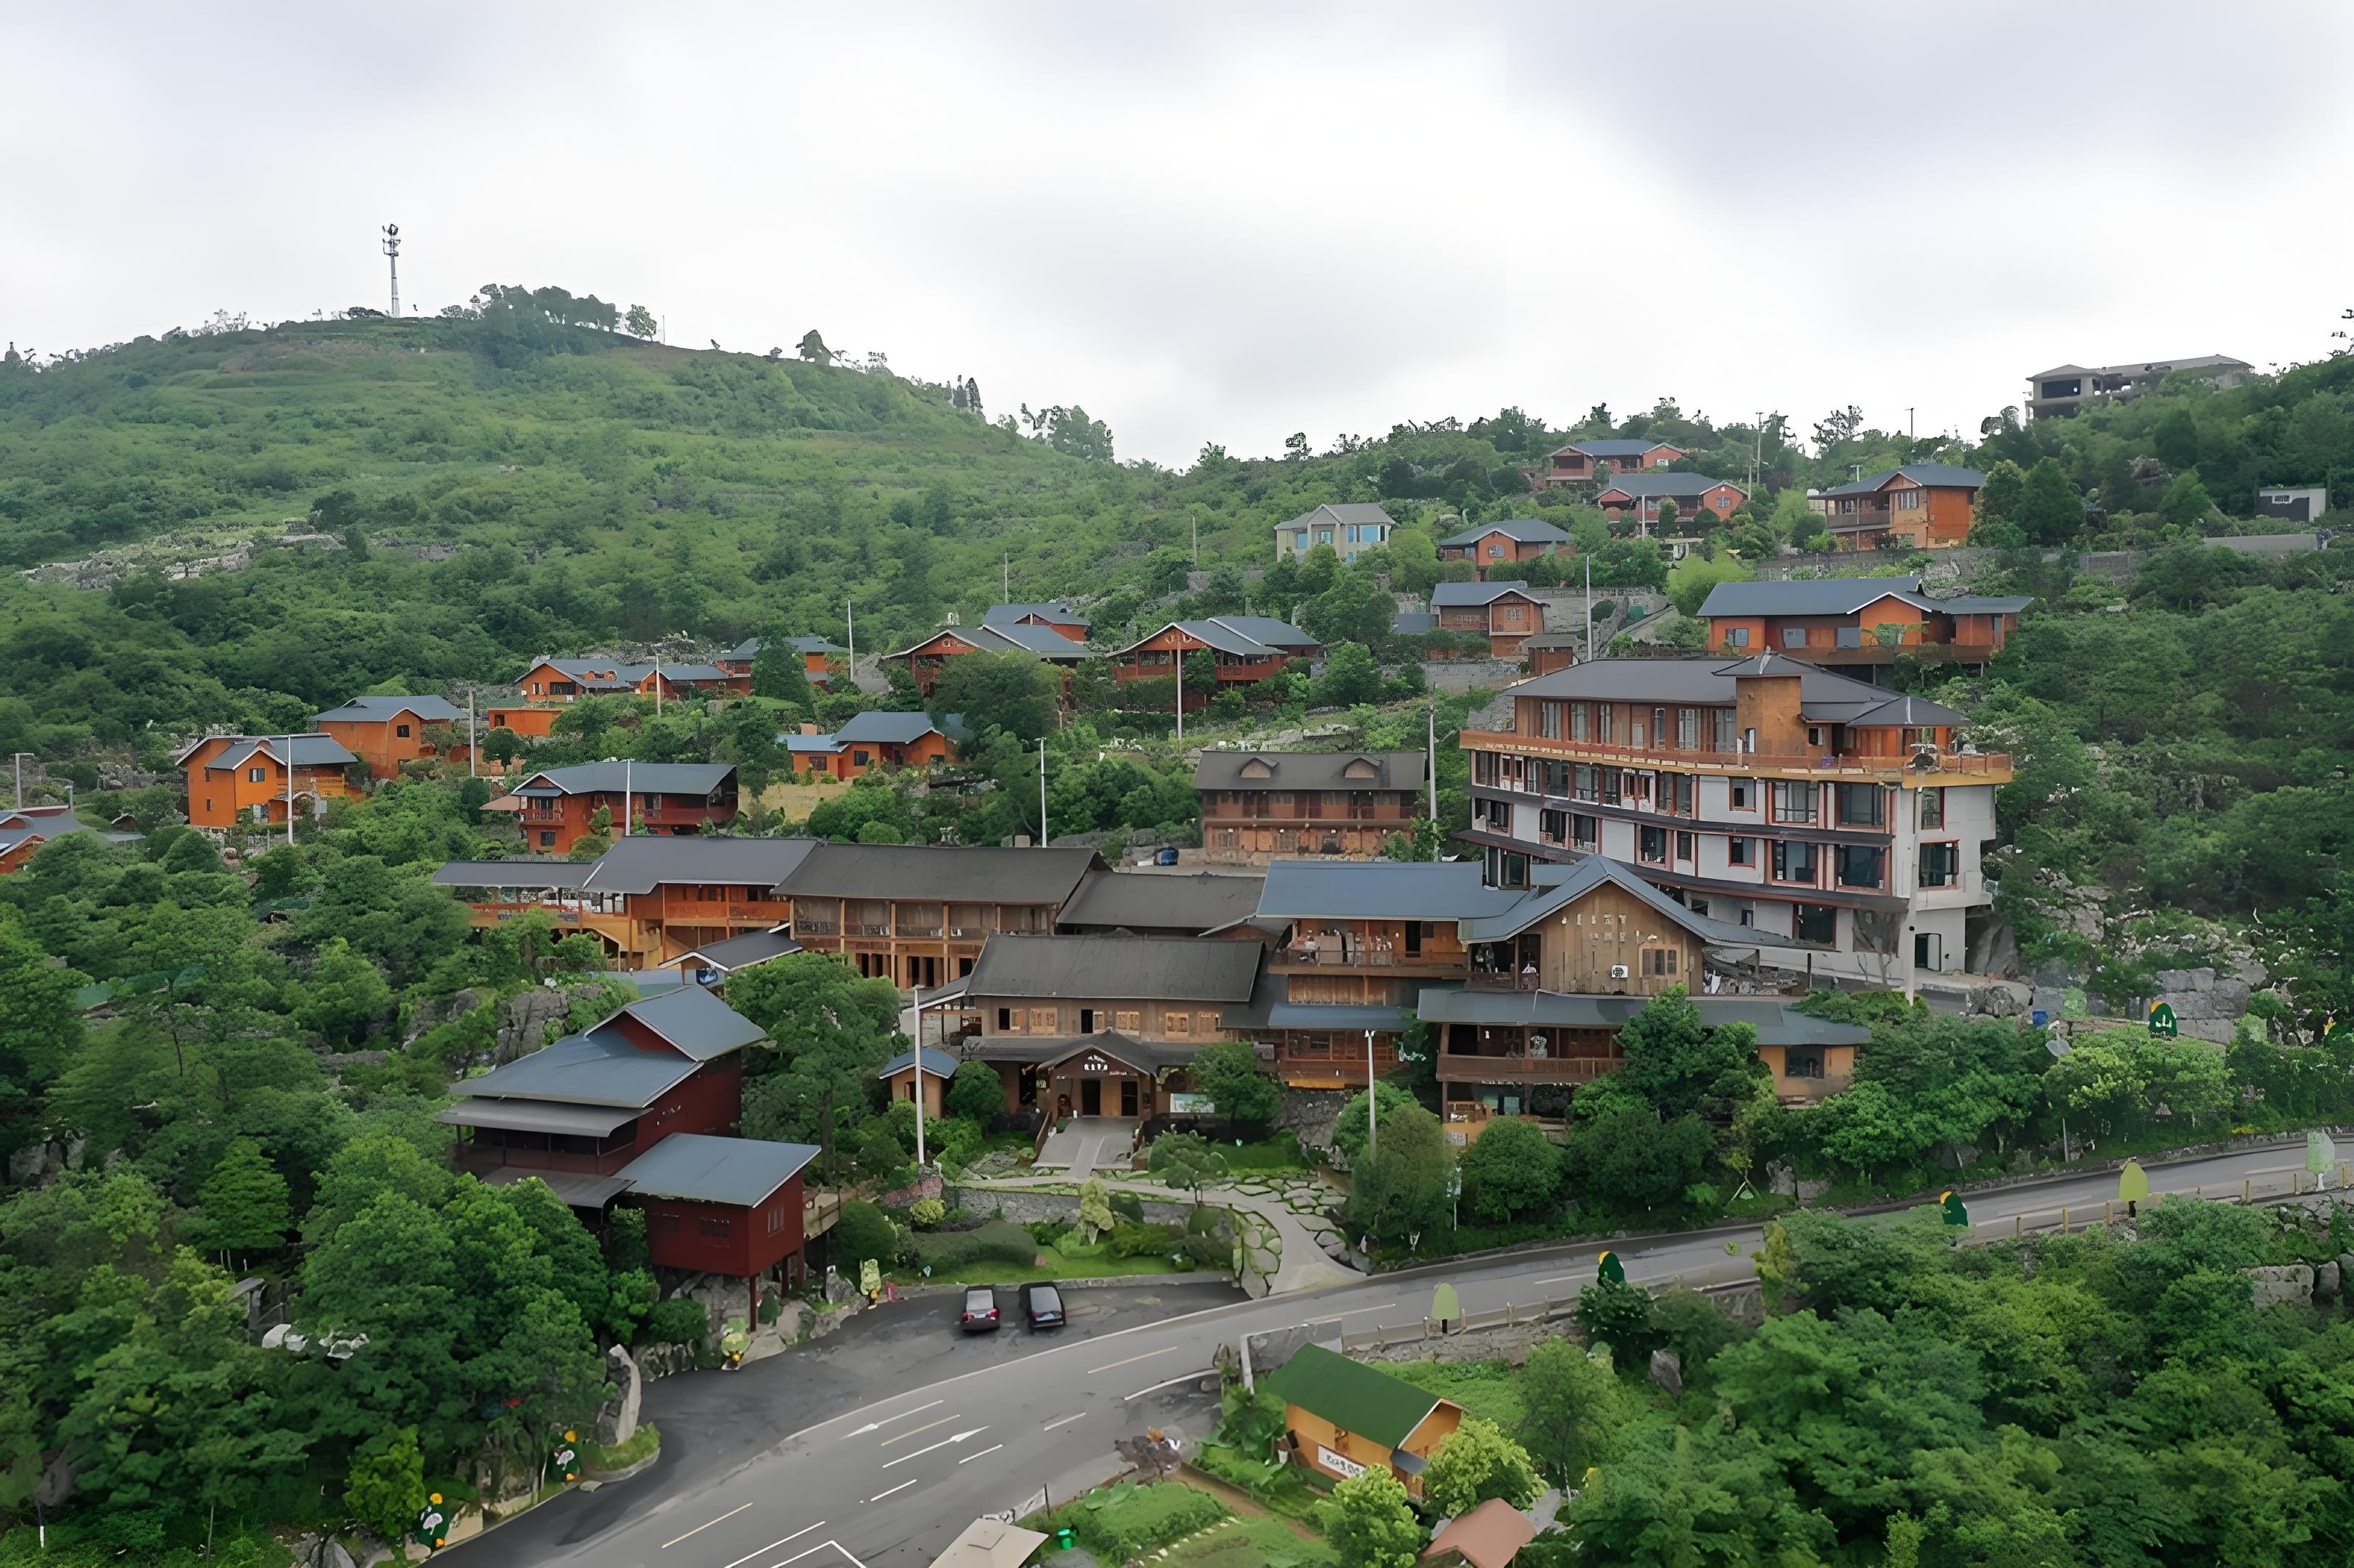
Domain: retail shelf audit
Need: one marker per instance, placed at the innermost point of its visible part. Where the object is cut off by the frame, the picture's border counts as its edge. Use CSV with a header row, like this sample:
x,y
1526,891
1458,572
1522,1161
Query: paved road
x,y
906,1432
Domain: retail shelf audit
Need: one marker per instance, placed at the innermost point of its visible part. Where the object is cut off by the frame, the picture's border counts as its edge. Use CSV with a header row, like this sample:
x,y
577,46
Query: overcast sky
x,y
1224,224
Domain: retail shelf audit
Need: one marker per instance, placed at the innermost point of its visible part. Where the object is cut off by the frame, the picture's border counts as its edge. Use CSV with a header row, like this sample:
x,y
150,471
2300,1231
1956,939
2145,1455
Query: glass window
x,y
1604,722
1687,845
1043,1020
1722,739
1688,728
1652,845
1794,861
1128,1019
1736,637
1940,864
1742,793
1794,636
1549,720
1553,826
1660,727
1794,802
1178,1025
1933,807
1579,721
1860,805
1816,923
1739,851
1584,831
1860,866
1582,782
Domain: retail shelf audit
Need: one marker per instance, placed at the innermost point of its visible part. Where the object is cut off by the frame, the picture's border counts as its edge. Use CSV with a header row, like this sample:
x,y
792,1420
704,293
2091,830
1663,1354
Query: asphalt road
x,y
875,1446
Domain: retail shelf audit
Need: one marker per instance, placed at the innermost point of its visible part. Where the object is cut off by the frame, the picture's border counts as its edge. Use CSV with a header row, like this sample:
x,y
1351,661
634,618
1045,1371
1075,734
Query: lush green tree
x,y
384,1487
780,672
2049,511
343,994
1690,579
1511,1170
1185,1160
975,1094
244,1201
864,1231
1476,1463
1370,1522
1228,1071
1349,1132
832,1030
2186,504
1013,691
1354,610
1570,1404
1676,1065
1350,676
1626,1160
1401,1189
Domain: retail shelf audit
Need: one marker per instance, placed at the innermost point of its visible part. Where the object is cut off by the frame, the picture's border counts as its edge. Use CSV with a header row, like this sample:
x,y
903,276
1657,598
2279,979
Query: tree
x,y
1295,447
1349,1132
1094,1210
1510,1170
1627,1161
864,1231
1669,513
1370,1522
813,349
1350,676
1477,1462
1185,1160
2049,511
1837,428
344,994
2175,439
1618,1315
384,1487
1013,691
244,1201
779,670
1690,579
832,1028
1678,1065
2186,504
1354,610
1401,1189
975,1094
641,323
1570,1403
1243,1092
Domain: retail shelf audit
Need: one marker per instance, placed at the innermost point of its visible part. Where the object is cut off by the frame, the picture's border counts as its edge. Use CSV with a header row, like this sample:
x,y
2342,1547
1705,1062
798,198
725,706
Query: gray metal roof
x,y
602,674
579,1071
1821,596
539,1115
875,727
1523,530
1983,604
1187,904
948,874
940,1064
1158,969
1776,1023
1269,631
693,1021
375,709
750,649
1413,622
643,862
1921,473
1707,679
1618,446
577,1190
1049,1051
40,828
1045,609
1043,641
2195,362
1357,511
1379,890
522,872
1564,885
739,952
1911,712
638,778
1310,771
701,1168
694,675
1652,483
307,750
1451,594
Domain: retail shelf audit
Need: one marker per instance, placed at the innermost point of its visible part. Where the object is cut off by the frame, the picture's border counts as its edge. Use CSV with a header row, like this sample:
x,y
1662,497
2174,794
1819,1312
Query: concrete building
x,y
2064,388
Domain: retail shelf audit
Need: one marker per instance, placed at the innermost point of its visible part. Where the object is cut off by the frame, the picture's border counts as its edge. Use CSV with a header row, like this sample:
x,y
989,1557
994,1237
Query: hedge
x,y
995,1241
677,1322
1129,1521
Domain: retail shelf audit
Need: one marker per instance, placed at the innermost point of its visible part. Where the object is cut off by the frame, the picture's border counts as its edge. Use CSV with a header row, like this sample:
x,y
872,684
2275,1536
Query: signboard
x,y
566,1461
1955,1214
1192,1104
1607,1266
2161,1021
1445,1304
1034,1504
870,1277
2320,1154
431,1521
2133,1183
1339,1464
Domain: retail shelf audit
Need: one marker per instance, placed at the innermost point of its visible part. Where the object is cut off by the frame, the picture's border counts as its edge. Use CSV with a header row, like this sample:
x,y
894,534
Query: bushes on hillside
x,y
995,1241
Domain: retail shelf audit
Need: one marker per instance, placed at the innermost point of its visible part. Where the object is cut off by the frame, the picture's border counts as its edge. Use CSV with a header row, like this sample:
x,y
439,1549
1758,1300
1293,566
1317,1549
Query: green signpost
x,y
431,1521
1607,1266
2133,1183
1445,1304
1950,1202
2161,1021
566,1461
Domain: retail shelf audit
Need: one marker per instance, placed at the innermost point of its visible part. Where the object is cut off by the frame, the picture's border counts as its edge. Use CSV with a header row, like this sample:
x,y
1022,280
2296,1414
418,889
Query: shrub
x,y
1133,1240
1128,1206
864,1231
1047,1232
926,1212
676,1322
1126,1520
995,1241
1209,1251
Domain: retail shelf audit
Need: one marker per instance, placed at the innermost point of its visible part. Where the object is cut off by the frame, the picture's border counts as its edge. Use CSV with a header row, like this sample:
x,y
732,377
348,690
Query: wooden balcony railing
x,y
1502,982
1821,764
1456,1066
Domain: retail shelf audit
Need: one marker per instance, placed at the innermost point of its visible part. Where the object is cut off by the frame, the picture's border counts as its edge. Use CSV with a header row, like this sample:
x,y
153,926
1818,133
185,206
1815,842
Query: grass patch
x,y
1489,1389
1255,1543
595,1459
1055,1266
1281,1152
1128,1521
1279,1489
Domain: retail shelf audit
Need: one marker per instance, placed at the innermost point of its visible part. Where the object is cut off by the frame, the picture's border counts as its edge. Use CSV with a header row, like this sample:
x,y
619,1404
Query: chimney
x,y
807,728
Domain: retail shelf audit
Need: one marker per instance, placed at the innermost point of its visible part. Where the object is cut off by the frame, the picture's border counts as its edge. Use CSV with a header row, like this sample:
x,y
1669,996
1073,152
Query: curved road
x,y
928,1431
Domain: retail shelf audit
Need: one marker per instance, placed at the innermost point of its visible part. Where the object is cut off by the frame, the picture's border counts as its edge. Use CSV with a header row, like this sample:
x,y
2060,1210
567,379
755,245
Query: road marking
x,y
969,1458
1187,1377
1555,1279
1065,1421
699,1528
1133,1360
1352,1312
941,1444
821,1546
773,1544
902,1487
878,1425
914,1432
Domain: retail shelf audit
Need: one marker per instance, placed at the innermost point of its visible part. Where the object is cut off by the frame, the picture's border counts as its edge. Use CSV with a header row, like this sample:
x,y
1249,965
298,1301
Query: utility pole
x,y
1430,759
1589,607
472,771
290,791
850,623
1179,655
626,812
918,1060
1908,421
1197,544
1042,791
18,762
1373,1122
392,259
1005,577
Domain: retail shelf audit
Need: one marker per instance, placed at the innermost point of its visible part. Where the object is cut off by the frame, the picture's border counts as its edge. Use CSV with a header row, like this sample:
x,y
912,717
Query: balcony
x,y
817,928
1502,982
1358,958
1812,1091
1981,768
1460,1067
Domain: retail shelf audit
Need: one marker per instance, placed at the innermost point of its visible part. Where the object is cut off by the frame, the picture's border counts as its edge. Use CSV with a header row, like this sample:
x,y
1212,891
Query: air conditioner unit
x,y
1618,971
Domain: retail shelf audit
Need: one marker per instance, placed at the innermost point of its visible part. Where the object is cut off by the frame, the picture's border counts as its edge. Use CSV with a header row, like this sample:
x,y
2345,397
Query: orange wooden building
x,y
926,660
1583,462
560,805
1245,648
818,658
1843,621
235,779
874,739
1921,507
385,732
1052,614
25,829
1499,545
1506,611
1700,501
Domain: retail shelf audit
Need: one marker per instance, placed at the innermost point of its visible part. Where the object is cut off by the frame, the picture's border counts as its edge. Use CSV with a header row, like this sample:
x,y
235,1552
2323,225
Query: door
x,y
1087,1020
1091,1096
1413,939
1929,950
1128,1097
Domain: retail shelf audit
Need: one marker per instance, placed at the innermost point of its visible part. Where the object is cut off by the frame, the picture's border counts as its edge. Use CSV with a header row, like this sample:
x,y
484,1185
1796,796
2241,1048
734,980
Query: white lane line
x,y
699,1528
1133,1360
941,1444
1352,1312
774,1545
1186,1377
1555,1279
916,1431
969,1458
821,1546
902,1487
1065,1421
878,1425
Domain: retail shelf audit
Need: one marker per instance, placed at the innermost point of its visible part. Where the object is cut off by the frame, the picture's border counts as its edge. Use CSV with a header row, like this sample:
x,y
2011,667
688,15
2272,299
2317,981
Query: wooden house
x,y
1700,501
245,778
1584,462
1920,506
1244,649
1506,613
1259,805
1052,614
1847,621
25,829
1344,1417
927,660
1551,651
560,804
919,914
385,732
819,657
875,740
1499,547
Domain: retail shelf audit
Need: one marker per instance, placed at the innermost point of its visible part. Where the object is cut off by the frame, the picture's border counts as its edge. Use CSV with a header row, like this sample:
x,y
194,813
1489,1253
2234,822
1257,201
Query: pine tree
x,y
244,1201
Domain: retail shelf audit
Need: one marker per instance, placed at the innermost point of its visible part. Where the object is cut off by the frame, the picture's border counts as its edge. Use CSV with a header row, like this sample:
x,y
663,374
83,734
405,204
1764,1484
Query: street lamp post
x,y
1373,1122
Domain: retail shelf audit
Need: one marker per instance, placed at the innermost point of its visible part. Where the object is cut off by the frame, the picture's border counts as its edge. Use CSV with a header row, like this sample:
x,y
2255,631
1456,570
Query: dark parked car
x,y
980,1310
1042,1304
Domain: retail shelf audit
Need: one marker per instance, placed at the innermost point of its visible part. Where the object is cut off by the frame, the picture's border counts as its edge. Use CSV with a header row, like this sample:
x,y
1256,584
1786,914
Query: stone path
x,y
1087,1143
1286,1241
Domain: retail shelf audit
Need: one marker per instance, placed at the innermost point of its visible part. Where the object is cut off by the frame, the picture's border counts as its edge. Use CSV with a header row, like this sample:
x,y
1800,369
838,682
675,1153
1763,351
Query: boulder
x,y
2004,999
616,1422
2327,1279
2283,1282
1667,1372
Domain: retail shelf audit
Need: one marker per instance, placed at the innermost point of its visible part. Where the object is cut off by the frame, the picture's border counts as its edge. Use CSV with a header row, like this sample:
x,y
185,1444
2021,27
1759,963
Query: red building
x,y
1583,462
1052,614
926,660
1843,621
1506,612
874,739
1245,648
1921,507
641,1109
235,779
1700,501
26,829
1499,545
818,658
385,732
560,805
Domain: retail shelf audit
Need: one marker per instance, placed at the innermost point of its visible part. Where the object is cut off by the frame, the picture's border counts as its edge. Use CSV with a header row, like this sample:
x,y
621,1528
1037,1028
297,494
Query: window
x,y
1604,723
1177,1025
1635,732
1549,720
1803,1065
1658,727
1008,1021
1859,866
1043,1020
665,1219
714,1225
1579,720
1794,802
1739,851
1913,739
1933,808
1794,861
1736,637
1687,845
256,775
1860,805
1552,827
1816,923
1205,1023
1128,1019
1584,831
1688,728
1794,636
1582,782
777,1218
1742,794
1676,792
1721,729
1495,551
1660,961
402,730
1940,864
1652,845
547,837
1908,500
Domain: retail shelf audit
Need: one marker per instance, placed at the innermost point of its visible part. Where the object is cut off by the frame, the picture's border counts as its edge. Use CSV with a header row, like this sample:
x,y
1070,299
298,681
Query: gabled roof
x,y
750,649
1489,1536
1652,486
736,953
643,862
816,745
1943,475
1708,679
1151,902
1525,530
2195,362
875,727
1149,968
1912,713
948,874
692,1020
379,710
1821,596
39,830
308,750
1379,890
638,778
1008,638
524,870
597,674
1449,596
1615,446
1267,628
1053,609
579,1071
1245,636
696,1167
1310,771
691,675
1356,1397
1358,512
1413,622
1983,604
1053,1050
539,1115
1565,886
939,1063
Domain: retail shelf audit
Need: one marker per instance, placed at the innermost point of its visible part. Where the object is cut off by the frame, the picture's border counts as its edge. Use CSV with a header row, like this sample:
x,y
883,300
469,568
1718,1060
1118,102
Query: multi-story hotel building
x,y
1812,808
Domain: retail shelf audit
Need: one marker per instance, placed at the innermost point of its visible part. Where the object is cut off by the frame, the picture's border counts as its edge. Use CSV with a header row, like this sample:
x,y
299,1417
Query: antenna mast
x,y
392,256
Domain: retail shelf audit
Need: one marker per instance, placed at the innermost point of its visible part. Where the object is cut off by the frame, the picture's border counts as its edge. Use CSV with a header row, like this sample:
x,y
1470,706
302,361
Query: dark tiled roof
x,y
1050,1051
376,710
1413,622
878,729
521,872
952,874
1922,474
940,1064
1821,596
1617,446
638,778
1983,604
579,1071
1379,890
1449,595
1707,679
1776,1023
1156,968
739,952
699,1168
1053,609
309,750
1310,771
1161,904
643,862
1525,530
1654,483
539,1115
